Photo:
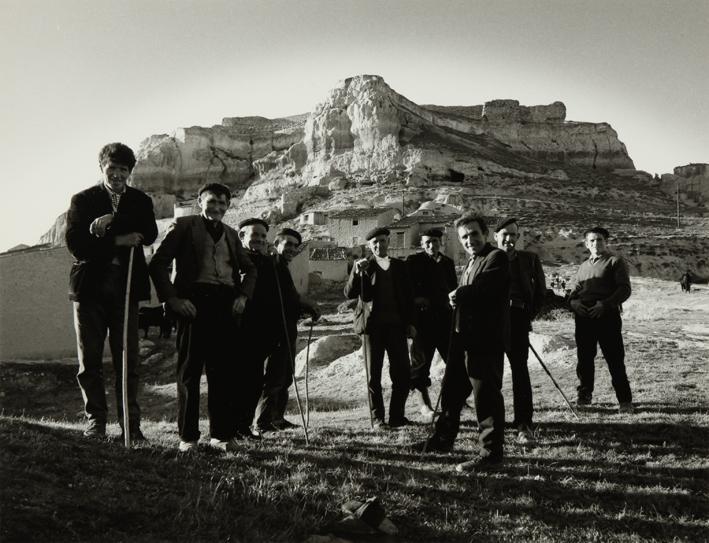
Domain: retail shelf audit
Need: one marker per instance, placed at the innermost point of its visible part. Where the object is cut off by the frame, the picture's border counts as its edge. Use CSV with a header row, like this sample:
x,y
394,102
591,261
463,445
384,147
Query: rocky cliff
x,y
364,132
692,180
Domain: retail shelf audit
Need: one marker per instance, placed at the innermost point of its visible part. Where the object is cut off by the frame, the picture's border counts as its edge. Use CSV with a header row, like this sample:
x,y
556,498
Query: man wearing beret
x,y
384,316
481,304
432,277
602,285
527,289
280,364
214,278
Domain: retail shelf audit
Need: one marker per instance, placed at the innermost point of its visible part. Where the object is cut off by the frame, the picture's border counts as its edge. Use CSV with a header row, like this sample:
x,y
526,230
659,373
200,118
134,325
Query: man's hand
x,y
578,308
132,239
596,310
361,265
239,305
99,226
451,298
315,314
422,303
411,331
182,307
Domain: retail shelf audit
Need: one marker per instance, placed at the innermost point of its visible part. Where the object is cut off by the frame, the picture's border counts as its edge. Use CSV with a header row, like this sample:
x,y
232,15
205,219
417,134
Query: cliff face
x,y
363,131
693,183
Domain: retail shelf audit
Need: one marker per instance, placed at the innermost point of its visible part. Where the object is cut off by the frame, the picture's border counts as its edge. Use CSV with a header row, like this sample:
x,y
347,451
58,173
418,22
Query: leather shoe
x,y
435,443
400,423
249,434
481,463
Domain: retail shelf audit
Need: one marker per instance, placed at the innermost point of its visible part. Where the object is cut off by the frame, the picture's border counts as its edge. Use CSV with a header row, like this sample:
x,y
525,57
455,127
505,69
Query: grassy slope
x,y
604,477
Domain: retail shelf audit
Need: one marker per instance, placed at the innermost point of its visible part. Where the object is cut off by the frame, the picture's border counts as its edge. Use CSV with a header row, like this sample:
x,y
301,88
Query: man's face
x,y
471,237
596,244
287,247
115,175
253,236
379,245
431,245
213,207
507,237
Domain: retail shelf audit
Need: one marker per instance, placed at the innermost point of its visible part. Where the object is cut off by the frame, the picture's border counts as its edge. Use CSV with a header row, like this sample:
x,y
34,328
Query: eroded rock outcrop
x,y
692,181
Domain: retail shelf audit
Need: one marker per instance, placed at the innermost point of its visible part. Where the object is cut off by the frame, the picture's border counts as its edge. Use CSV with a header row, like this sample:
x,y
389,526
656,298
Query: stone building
x,y
349,227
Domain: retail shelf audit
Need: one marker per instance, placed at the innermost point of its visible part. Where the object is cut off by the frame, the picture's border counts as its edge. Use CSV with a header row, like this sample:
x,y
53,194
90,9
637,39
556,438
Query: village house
x,y
313,217
330,263
349,227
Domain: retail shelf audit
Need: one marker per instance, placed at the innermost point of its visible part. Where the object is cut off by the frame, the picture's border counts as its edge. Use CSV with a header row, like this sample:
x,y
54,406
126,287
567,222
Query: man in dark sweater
x,y
280,301
104,223
432,277
384,316
527,289
602,285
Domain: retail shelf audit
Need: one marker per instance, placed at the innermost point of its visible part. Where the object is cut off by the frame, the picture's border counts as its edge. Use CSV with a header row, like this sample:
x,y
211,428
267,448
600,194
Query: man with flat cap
x,y
527,289
214,279
602,285
280,364
432,277
481,304
384,317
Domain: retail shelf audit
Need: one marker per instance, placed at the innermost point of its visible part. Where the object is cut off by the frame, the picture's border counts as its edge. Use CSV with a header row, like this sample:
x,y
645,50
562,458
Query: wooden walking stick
x,y
307,369
554,381
124,381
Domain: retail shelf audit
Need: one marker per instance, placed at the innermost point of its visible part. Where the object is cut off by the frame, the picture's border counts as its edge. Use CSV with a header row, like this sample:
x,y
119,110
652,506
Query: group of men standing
x,y
237,310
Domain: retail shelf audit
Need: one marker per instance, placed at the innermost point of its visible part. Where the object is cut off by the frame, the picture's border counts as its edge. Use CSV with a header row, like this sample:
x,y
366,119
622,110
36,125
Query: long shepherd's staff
x,y
124,387
290,352
554,381
364,346
307,362
443,381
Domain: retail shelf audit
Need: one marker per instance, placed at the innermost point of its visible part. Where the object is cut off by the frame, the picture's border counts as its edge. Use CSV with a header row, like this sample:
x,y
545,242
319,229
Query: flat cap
x,y
291,232
378,231
505,221
253,220
433,233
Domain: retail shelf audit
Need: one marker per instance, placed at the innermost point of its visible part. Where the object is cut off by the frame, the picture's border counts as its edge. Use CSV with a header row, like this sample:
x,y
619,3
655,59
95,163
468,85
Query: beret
x,y
291,232
378,231
433,233
253,220
505,221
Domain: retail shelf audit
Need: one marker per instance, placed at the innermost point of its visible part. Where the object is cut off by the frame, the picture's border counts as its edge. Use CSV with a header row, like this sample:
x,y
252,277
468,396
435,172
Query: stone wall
x,y
36,319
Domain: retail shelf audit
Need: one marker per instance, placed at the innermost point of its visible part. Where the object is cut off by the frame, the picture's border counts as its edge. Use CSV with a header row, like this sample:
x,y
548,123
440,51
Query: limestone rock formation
x,y
693,182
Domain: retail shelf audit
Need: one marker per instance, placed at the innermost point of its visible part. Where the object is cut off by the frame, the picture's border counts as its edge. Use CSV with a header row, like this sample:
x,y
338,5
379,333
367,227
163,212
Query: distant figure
x,y
602,285
104,223
686,281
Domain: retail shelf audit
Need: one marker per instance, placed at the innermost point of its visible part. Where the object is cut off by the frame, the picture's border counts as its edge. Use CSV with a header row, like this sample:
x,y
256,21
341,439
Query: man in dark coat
x,y
527,289
602,285
214,279
481,305
432,277
384,316
104,223
281,303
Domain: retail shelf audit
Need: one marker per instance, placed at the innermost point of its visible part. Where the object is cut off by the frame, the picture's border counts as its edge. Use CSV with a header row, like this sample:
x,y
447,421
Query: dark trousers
x,y
431,334
277,378
93,319
606,332
251,376
518,356
481,373
206,342
392,339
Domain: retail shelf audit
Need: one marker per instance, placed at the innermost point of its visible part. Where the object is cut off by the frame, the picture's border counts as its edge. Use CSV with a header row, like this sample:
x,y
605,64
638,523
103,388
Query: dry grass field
x,y
602,477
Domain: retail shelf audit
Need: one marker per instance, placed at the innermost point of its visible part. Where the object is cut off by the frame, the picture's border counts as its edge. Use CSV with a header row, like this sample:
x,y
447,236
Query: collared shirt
x,y
384,262
115,196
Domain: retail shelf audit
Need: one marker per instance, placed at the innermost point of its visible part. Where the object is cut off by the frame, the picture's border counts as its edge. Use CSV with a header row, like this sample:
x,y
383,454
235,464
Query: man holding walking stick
x,y
527,289
104,224
384,316
278,376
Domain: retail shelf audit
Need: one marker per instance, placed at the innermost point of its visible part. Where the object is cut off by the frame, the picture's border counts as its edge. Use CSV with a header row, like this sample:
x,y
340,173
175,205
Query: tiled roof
x,y
354,213
328,253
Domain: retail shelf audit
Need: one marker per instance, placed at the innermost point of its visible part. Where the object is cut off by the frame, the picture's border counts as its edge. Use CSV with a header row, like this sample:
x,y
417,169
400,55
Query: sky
x,y
79,74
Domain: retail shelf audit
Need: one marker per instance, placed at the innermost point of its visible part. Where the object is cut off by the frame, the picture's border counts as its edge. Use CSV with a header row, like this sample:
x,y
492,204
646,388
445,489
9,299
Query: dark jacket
x,y
483,303
531,283
432,280
403,293
185,242
93,255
